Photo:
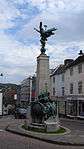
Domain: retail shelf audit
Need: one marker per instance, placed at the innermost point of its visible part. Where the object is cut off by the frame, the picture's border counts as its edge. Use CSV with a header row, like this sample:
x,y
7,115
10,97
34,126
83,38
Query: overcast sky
x,y
19,42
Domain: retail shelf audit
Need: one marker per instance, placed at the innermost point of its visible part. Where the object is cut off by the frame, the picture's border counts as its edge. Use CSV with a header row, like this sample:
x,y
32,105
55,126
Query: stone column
x,y
43,74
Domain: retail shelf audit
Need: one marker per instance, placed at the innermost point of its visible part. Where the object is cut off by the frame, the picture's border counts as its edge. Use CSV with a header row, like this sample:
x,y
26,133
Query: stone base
x,y
52,124
36,127
52,127
46,127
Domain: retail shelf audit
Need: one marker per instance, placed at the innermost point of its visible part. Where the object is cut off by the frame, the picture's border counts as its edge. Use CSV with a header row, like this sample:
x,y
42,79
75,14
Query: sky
x,y
20,43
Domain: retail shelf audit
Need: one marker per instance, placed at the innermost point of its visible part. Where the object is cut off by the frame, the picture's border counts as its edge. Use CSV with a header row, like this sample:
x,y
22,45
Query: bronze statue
x,y
44,34
42,109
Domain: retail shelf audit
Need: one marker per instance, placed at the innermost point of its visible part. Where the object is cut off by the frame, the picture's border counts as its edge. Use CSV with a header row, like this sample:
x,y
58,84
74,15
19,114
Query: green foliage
x,y
59,131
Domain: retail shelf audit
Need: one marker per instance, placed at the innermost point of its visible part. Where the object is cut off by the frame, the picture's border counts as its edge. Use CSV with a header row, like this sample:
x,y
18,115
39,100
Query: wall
x,y
75,78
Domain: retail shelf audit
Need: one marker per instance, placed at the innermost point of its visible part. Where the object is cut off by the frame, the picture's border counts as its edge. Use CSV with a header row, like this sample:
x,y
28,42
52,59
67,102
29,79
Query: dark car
x,y
20,113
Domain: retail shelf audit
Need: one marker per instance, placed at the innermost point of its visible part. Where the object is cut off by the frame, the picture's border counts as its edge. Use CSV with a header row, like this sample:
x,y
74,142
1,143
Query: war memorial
x,y
43,109
43,122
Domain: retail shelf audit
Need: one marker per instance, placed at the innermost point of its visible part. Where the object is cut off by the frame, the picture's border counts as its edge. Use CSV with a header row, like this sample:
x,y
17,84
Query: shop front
x,y
75,107
62,108
81,108
72,108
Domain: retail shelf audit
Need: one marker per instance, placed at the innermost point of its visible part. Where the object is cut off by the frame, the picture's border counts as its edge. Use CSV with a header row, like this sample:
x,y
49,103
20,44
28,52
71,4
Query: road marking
x,y
1,130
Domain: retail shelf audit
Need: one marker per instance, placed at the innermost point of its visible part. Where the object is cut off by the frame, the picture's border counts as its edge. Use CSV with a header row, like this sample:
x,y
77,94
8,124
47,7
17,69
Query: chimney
x,y
68,61
81,53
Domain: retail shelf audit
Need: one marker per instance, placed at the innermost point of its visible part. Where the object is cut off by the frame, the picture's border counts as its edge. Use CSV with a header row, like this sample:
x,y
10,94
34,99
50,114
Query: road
x,y
76,126
13,141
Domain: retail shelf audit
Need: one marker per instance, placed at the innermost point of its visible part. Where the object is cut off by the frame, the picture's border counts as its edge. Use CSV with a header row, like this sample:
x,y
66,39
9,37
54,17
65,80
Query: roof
x,y
60,69
79,60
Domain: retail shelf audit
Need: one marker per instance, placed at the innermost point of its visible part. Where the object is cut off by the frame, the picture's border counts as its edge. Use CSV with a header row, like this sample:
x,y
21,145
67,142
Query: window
x,y
62,77
83,107
53,91
71,88
62,91
71,71
72,107
80,87
53,79
80,68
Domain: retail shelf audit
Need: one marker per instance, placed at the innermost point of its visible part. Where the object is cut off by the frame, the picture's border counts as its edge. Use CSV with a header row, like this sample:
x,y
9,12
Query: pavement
x,y
69,138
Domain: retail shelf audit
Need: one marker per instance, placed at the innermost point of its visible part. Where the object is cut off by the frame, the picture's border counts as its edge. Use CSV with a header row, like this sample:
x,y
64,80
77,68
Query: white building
x,y
57,88
67,87
26,90
74,87
57,82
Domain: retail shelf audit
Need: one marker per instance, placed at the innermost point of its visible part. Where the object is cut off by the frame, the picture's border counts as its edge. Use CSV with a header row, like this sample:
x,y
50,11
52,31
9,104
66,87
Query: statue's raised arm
x,y
40,27
44,34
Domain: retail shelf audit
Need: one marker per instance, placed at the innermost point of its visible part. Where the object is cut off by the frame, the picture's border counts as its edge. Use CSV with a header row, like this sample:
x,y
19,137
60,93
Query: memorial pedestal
x,y
52,124
43,76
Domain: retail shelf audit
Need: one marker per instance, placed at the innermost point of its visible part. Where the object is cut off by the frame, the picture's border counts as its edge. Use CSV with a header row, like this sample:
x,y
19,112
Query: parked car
x,y
20,113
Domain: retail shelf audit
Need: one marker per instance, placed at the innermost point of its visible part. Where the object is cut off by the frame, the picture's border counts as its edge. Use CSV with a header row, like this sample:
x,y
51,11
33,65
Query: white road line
x,y
1,130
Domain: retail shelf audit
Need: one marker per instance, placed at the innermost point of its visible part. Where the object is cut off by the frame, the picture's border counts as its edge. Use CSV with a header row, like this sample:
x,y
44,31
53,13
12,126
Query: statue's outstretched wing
x,y
37,30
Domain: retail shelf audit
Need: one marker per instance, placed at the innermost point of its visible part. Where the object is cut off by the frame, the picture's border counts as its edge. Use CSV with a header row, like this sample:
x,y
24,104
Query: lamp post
x,y
30,90
57,110
1,98
1,76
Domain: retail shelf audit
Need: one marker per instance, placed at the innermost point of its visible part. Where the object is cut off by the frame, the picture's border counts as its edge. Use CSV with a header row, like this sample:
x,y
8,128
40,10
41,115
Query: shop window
x,y
62,91
83,107
80,87
71,88
72,107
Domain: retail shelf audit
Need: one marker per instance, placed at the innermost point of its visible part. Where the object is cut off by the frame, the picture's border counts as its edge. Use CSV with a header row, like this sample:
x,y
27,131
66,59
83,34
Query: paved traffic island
x,y
65,138
42,129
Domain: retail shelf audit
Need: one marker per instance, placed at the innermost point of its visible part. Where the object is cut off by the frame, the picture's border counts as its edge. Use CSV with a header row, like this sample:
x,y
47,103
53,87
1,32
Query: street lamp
x,y
1,98
57,107
1,76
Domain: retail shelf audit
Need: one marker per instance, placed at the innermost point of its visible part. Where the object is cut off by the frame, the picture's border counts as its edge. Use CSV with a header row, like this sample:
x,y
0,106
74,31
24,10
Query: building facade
x,y
67,87
57,81
26,87
74,87
28,90
57,88
9,92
